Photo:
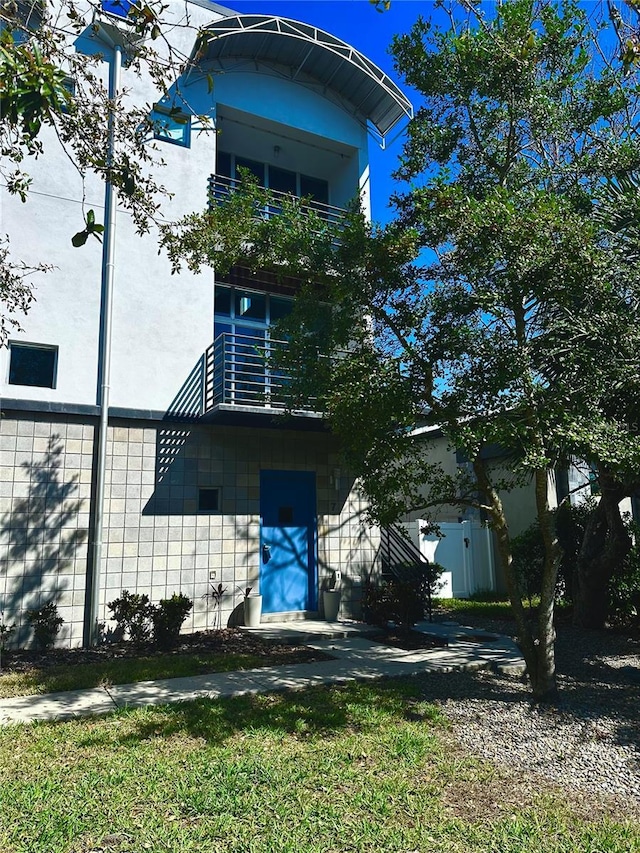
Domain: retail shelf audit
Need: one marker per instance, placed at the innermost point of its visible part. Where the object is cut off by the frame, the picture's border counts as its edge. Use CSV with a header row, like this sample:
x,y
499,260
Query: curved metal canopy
x,y
310,56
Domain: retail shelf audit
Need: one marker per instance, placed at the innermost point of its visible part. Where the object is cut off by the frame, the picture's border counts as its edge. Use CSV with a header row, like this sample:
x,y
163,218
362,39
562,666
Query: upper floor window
x,y
247,312
21,18
170,124
120,8
274,177
33,364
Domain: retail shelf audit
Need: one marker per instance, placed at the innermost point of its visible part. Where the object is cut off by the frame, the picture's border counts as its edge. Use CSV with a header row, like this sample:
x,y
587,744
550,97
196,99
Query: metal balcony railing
x,y
220,187
402,560
239,371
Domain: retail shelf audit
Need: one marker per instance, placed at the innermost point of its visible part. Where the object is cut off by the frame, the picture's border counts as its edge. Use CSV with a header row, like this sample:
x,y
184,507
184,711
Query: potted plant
x,y
331,599
252,608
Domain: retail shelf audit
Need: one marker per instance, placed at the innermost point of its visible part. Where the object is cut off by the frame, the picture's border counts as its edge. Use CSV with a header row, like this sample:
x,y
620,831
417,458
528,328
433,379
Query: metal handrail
x,y
221,186
400,556
240,372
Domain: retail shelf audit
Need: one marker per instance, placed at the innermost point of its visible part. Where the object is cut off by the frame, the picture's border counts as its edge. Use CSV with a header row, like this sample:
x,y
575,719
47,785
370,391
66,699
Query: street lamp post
x,y
115,37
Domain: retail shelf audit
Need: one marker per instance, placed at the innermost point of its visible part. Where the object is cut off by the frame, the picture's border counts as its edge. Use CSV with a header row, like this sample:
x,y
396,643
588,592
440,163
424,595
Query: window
x,y
70,86
243,345
273,177
120,8
22,18
315,188
282,180
224,164
257,311
255,168
208,500
32,364
170,124
250,306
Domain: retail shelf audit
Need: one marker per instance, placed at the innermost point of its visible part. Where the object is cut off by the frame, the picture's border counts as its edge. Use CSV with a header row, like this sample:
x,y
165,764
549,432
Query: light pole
x,y
115,38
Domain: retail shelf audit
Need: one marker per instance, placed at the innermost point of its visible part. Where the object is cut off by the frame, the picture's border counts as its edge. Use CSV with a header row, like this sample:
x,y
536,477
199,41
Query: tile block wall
x,y
155,539
157,542
45,488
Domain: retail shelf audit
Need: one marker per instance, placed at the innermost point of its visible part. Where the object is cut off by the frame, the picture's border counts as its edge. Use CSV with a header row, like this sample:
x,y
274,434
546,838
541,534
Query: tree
x,y
51,93
523,120
496,334
607,540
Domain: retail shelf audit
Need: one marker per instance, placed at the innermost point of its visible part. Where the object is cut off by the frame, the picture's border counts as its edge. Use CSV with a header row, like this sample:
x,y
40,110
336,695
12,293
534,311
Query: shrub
x,y
571,521
168,617
527,550
132,613
215,596
624,588
46,624
403,597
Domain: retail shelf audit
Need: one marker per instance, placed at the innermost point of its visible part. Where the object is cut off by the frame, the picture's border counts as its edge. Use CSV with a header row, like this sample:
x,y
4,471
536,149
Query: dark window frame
x,y
209,491
231,166
16,346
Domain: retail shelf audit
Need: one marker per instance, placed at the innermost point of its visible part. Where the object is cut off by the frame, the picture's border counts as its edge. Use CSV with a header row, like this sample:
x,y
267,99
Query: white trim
x,y
390,106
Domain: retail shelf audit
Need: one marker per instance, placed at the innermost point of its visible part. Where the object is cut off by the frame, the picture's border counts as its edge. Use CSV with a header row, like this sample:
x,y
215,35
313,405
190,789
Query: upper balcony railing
x,y
220,187
240,371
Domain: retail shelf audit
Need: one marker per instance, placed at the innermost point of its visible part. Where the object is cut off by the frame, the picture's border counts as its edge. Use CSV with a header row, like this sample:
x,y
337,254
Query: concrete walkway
x,y
356,657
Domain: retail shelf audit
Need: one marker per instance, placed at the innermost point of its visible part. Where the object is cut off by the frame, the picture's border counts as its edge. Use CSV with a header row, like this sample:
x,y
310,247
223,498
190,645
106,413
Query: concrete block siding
x,y
45,495
155,539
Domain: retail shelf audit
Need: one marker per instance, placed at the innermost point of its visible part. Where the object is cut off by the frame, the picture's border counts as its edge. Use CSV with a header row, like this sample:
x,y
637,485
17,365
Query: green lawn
x,y
369,767
124,671
459,608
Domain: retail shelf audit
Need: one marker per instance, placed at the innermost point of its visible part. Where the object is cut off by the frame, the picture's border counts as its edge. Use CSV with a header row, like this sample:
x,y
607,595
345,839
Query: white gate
x,y
466,552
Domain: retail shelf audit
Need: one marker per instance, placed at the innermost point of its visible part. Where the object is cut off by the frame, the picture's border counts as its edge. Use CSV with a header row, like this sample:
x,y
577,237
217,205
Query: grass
x,y
489,606
121,671
490,609
365,767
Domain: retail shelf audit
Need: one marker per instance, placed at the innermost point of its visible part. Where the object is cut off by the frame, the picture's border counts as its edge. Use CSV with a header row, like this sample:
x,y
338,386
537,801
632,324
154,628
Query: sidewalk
x,y
356,657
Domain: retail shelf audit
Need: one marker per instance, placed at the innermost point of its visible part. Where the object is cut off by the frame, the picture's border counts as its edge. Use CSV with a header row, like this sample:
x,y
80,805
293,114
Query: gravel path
x,y
590,743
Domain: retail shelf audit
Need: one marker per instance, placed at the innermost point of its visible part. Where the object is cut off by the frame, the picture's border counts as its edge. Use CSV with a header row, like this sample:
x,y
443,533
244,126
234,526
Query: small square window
x,y
208,500
170,124
285,515
30,364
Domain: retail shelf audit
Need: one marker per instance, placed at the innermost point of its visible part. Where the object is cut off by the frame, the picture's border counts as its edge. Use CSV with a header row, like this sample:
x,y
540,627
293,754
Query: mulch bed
x,y
227,640
408,642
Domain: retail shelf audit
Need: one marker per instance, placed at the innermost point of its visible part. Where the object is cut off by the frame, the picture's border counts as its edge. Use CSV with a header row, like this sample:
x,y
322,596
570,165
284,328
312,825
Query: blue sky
x,y
359,24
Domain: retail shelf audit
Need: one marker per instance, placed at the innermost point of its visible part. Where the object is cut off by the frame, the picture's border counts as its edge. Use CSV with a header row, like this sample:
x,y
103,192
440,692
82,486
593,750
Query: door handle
x,y
266,553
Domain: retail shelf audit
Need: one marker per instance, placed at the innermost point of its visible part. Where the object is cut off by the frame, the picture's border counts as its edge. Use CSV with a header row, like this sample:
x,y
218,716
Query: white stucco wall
x,y
162,324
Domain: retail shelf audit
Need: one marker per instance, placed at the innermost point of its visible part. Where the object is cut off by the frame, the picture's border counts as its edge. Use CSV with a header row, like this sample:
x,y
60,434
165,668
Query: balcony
x,y
243,386
220,188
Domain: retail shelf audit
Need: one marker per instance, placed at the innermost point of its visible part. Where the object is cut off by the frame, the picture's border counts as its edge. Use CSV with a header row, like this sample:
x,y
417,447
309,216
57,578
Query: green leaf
x,y
79,239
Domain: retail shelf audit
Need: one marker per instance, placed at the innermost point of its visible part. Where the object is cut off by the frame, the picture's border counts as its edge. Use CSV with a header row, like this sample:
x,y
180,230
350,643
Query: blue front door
x,y
288,541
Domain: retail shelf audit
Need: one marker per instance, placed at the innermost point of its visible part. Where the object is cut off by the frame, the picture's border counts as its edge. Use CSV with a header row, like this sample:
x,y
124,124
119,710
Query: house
x,y
463,544
205,479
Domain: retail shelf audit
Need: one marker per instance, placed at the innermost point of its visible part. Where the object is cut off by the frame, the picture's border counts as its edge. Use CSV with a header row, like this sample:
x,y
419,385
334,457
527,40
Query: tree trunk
x,y
545,686
604,547
537,647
